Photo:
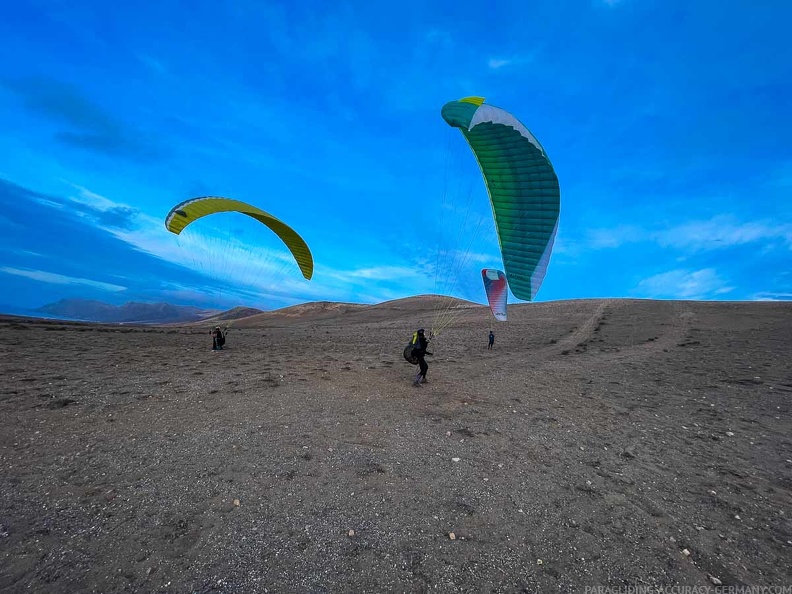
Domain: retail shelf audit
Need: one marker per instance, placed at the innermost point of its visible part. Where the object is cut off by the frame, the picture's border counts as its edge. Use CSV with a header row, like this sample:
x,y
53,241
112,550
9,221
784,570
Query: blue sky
x,y
667,123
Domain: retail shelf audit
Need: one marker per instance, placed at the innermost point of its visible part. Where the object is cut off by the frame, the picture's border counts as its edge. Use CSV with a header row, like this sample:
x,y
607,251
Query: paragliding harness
x,y
409,350
409,356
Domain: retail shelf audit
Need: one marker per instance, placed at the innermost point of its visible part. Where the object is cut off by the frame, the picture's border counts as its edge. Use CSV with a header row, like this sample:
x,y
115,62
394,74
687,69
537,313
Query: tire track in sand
x,y
581,335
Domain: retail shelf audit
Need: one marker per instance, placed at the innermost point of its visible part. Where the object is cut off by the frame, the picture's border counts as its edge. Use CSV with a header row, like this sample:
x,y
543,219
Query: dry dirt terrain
x,y
601,442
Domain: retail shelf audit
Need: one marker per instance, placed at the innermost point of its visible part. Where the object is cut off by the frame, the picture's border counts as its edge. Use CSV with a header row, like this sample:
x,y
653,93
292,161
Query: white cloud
x,y
683,284
720,232
717,233
257,272
88,198
615,236
258,269
771,296
269,276
495,63
22,252
498,63
60,279
380,273
148,235
50,203
453,258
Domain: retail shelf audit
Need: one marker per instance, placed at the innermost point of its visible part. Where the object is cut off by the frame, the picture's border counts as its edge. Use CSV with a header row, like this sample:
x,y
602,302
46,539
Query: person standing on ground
x,y
218,339
420,344
491,341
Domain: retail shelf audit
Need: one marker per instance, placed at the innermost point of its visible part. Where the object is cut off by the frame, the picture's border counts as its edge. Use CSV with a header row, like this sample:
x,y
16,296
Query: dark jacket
x,y
420,344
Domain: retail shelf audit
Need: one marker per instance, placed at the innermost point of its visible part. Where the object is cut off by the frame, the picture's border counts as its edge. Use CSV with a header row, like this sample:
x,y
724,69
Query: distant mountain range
x,y
232,314
88,310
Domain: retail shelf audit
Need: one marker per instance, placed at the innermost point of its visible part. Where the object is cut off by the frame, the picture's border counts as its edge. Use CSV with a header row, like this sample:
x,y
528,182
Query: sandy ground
x,y
600,443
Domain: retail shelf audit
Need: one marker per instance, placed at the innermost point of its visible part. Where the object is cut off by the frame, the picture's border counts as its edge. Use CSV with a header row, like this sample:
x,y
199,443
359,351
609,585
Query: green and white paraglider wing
x,y
522,187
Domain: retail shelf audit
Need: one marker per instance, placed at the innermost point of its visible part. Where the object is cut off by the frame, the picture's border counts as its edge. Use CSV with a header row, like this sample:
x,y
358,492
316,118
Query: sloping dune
x,y
600,443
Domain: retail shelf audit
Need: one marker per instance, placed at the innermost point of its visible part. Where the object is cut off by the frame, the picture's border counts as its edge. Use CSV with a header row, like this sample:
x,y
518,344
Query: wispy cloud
x,y
683,284
22,252
104,212
772,296
335,108
381,273
496,63
255,270
60,279
702,235
723,231
615,236
232,266
91,127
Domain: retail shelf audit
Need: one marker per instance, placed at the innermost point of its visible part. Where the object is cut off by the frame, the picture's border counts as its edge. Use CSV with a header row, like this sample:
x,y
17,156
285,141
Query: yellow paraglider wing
x,y
191,210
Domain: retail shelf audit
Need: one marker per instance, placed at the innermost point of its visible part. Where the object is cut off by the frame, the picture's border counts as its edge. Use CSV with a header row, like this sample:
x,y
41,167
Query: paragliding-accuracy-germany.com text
x,y
720,589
